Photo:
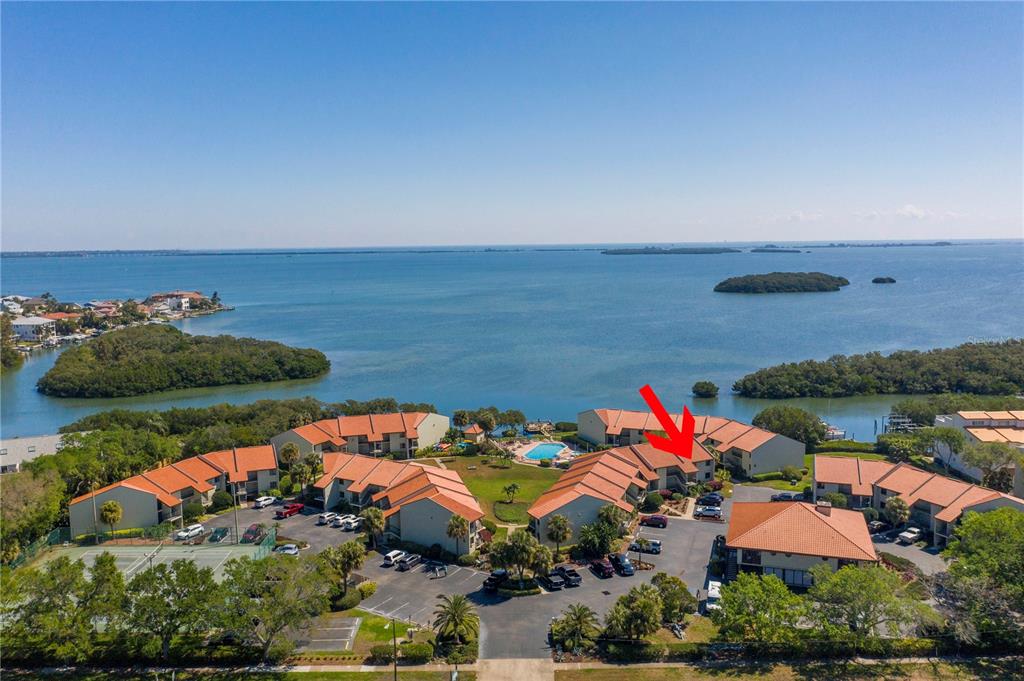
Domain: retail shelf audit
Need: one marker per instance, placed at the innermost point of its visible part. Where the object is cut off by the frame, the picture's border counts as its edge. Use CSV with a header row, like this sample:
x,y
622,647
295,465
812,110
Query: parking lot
x,y
302,527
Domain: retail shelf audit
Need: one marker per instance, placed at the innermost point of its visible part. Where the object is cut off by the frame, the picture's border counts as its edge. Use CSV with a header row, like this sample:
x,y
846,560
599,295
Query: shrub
x,y
762,477
715,485
545,463
191,511
844,446
489,525
274,492
366,589
382,654
791,473
510,591
652,502
634,652
676,496
837,499
870,514
464,654
467,559
565,426
705,389
348,600
416,653
220,501
286,484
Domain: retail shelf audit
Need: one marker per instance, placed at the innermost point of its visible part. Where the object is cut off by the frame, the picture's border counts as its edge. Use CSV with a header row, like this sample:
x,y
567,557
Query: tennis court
x,y
134,559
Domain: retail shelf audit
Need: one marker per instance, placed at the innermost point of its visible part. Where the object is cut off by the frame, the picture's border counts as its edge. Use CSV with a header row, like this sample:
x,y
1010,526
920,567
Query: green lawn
x,y
487,481
808,479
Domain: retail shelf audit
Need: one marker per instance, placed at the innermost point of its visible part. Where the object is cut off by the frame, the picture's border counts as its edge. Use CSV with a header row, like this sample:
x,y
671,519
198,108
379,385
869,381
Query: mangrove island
x,y
781,282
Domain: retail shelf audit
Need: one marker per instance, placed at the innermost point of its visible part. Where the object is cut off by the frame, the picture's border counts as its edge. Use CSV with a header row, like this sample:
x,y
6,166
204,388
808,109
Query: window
x,y
800,578
821,485
752,557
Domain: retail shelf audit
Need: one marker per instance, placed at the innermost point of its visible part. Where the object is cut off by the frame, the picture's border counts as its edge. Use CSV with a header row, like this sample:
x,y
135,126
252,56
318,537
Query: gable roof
x,y
241,461
726,432
798,527
374,427
859,474
952,496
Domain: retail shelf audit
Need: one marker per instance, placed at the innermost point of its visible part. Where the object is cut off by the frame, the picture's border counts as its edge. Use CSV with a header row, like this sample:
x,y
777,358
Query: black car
x,y
602,568
620,562
788,496
551,581
709,500
495,579
569,575
218,535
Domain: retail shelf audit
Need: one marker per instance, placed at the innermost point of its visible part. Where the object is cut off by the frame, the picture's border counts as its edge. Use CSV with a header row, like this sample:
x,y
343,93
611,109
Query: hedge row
x,y
844,446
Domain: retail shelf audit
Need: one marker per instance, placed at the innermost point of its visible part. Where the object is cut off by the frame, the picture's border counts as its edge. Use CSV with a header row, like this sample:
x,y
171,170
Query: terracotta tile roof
x,y
473,429
859,474
797,527
374,427
61,315
607,475
726,432
315,435
950,495
241,461
1013,436
441,486
137,483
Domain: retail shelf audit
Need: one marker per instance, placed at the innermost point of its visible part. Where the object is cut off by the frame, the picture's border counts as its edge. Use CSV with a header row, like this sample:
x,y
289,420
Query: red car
x,y
288,510
654,521
602,567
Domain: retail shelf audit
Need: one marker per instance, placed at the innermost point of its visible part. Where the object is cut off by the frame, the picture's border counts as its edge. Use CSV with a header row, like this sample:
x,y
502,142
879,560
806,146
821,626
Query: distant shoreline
x,y
389,250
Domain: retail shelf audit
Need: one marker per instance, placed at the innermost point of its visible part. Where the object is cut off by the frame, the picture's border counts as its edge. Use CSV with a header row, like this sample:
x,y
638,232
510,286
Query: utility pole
x,y
234,457
95,517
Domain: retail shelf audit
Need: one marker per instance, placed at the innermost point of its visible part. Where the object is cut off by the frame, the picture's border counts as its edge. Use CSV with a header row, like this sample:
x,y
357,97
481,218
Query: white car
x,y
341,520
288,549
353,523
326,518
910,535
263,502
714,596
190,532
393,557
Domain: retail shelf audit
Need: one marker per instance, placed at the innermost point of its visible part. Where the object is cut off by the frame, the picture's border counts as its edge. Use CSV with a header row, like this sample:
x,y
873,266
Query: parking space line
x,y
392,613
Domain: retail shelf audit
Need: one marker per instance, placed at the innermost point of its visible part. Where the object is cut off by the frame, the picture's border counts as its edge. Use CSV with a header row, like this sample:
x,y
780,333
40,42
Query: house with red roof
x,y
1006,427
621,477
400,433
418,500
159,495
747,448
788,539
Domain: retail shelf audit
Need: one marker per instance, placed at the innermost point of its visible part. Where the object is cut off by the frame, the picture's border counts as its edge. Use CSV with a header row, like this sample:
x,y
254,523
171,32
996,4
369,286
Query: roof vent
x,y
823,507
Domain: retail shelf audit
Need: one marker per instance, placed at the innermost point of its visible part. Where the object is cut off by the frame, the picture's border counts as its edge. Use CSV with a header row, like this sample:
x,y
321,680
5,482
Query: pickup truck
x,y
288,510
569,574
910,535
495,579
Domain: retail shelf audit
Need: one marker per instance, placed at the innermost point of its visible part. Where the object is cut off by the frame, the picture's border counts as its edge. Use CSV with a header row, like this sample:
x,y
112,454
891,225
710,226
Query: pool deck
x,y
522,450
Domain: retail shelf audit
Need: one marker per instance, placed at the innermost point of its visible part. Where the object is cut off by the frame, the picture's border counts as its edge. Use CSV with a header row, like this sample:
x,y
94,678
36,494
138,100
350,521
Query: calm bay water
x,y
548,332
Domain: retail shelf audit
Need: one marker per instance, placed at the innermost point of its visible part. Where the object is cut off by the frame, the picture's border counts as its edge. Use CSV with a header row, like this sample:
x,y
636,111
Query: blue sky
x,y
304,125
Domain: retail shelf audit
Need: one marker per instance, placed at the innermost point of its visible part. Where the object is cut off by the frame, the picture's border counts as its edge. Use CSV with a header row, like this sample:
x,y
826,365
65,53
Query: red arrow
x,y
678,442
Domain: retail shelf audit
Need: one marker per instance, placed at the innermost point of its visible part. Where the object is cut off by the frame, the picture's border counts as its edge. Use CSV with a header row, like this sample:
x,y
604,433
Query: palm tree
x,y
373,519
510,490
577,626
559,531
456,617
343,560
641,547
458,528
111,514
288,454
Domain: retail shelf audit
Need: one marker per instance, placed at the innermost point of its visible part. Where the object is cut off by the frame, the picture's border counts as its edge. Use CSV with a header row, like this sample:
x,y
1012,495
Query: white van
x,y
393,557
326,518
263,502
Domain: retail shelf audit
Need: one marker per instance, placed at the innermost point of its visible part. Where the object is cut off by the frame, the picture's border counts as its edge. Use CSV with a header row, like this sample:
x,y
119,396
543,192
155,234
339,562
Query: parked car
x,y
495,580
409,561
219,535
713,597
287,549
393,557
713,512
551,581
352,524
602,568
656,520
262,502
326,518
653,546
252,534
569,575
911,535
876,526
785,496
339,521
710,499
621,563
288,510
190,531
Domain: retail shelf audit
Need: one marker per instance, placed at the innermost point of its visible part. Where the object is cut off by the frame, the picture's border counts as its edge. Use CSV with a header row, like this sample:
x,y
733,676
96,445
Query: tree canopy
x,y
759,608
154,358
782,282
982,368
793,422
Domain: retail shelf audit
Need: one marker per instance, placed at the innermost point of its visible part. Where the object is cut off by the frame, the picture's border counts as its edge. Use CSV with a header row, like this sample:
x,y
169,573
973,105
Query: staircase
x,y
731,565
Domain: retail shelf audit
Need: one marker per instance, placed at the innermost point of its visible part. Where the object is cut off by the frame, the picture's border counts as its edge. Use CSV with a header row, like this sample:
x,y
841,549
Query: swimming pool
x,y
545,450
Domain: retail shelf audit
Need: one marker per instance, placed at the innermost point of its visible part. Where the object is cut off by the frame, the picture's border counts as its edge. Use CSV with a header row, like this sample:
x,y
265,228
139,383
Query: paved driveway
x,y
928,559
302,526
330,632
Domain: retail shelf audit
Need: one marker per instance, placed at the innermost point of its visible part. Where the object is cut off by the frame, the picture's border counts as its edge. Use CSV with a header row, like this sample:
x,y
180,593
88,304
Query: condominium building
x,y
979,426
399,433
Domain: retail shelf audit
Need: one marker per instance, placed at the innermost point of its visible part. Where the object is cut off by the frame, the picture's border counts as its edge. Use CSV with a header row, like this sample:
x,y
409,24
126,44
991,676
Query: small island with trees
x,y
154,358
782,282
705,389
979,368
653,250
883,280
